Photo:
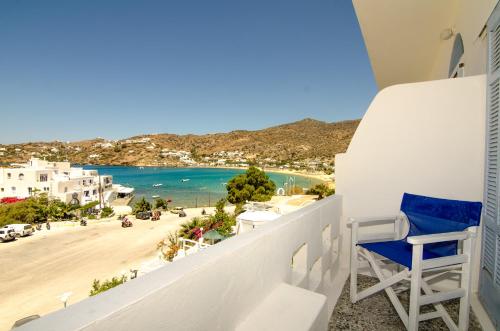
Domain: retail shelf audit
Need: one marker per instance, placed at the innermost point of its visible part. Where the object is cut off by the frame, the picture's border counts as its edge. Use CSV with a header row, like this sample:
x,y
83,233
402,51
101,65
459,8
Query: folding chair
x,y
431,246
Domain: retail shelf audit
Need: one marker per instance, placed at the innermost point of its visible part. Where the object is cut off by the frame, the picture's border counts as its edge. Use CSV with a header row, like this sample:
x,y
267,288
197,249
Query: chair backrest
x,y
429,215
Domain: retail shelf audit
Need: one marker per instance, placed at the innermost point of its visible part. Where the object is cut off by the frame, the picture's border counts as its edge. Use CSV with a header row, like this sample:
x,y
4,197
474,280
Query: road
x,y
35,270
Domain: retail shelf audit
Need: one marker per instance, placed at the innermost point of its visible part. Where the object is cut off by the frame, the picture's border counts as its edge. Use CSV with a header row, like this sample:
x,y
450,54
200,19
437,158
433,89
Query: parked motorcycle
x,y
126,223
47,225
83,222
39,227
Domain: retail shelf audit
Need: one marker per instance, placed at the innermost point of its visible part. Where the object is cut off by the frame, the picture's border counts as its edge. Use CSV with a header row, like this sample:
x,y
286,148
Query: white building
x,y
424,133
58,179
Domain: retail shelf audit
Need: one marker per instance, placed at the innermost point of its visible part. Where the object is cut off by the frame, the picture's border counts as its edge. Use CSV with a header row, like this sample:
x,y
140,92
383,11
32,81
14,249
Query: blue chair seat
x,y
398,251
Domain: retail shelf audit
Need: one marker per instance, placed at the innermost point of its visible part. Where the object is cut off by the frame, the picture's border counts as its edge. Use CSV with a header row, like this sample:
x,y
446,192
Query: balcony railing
x,y
239,283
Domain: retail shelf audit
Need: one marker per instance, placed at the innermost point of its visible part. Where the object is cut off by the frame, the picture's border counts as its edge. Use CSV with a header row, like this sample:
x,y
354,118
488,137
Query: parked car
x,y
21,230
7,234
143,215
177,210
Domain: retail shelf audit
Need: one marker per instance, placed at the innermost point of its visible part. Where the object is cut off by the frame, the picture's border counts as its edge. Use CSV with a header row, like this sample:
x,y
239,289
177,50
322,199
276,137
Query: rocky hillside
x,y
303,140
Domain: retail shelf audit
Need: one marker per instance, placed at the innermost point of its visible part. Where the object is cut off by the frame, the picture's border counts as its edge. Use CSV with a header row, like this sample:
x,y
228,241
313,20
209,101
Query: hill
x,y
307,139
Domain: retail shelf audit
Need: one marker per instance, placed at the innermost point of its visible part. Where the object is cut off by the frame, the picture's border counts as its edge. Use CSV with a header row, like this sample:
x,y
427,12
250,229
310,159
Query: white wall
x,y
223,286
468,19
424,138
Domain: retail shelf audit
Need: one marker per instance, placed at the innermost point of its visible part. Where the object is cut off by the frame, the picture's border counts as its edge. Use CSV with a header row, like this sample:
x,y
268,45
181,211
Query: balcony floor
x,y
376,312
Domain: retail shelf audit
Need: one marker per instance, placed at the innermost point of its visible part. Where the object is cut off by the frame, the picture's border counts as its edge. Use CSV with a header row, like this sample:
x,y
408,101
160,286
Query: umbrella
x,y
213,235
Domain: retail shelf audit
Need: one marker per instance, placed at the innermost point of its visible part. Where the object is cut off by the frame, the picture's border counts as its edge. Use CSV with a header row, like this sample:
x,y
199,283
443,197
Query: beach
x,y
35,270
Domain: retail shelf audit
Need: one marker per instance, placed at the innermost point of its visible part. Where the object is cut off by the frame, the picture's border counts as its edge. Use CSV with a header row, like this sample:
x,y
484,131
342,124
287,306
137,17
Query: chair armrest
x,y
362,220
437,237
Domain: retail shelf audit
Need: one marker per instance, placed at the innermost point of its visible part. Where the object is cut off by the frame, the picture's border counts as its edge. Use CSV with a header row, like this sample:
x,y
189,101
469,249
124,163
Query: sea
x,y
187,187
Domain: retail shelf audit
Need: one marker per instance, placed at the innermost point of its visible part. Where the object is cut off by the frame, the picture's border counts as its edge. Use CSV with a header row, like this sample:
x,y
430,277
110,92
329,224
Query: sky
x,y
73,70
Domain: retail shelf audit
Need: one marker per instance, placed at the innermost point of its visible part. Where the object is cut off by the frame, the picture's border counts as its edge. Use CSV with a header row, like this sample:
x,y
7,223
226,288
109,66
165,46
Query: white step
x,y
288,308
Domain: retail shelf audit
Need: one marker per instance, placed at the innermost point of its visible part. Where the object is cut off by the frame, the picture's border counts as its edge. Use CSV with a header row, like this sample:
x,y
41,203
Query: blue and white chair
x,y
440,239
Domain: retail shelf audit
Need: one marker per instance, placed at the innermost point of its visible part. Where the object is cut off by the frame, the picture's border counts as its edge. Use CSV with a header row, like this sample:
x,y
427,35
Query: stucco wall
x,y
223,286
424,138
469,18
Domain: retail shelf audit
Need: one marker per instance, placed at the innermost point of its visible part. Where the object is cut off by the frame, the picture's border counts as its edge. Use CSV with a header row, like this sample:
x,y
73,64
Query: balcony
x,y
295,261
290,274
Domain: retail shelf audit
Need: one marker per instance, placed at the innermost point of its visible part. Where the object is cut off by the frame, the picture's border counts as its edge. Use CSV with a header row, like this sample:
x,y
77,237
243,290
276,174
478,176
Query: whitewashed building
x,y
58,179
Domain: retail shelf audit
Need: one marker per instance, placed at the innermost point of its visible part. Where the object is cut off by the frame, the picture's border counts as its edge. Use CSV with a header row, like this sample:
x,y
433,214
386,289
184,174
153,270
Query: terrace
x,y
426,138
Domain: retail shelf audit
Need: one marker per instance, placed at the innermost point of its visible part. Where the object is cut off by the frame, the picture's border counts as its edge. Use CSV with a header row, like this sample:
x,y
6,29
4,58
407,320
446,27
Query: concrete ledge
x,y
288,308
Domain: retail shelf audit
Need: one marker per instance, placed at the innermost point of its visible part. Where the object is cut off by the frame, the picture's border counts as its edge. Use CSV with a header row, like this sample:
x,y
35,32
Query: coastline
x,y
324,178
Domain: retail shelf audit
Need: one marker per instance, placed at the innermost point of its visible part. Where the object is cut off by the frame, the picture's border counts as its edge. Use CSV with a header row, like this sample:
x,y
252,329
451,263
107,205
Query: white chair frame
x,y
460,263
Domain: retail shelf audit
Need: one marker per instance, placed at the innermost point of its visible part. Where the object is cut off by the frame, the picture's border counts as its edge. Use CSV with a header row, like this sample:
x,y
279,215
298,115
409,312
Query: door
x,y
489,286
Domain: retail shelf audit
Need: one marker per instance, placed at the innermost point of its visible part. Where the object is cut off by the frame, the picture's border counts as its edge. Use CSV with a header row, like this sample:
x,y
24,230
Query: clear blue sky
x,y
72,70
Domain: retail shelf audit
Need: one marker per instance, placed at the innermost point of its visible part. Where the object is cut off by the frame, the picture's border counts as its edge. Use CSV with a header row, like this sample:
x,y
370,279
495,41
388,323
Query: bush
x,y
189,229
161,204
98,287
28,211
321,190
253,185
141,206
172,245
107,212
220,221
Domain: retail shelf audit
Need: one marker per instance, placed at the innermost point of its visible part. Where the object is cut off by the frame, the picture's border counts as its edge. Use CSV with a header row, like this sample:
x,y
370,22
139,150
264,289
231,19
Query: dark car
x,y
143,215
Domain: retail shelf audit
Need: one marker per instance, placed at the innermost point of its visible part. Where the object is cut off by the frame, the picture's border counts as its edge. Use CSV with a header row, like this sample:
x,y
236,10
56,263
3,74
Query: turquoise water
x,y
205,186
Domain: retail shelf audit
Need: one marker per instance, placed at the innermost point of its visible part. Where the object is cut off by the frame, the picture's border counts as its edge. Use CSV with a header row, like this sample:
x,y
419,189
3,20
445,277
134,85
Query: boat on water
x,y
185,180
155,196
157,185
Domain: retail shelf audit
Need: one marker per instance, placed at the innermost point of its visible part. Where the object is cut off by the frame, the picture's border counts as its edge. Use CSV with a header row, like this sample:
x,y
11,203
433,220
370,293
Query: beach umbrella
x,y
213,235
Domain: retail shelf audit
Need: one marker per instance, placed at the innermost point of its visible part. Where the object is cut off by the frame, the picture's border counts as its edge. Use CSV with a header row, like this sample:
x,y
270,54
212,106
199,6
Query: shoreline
x,y
324,178
319,176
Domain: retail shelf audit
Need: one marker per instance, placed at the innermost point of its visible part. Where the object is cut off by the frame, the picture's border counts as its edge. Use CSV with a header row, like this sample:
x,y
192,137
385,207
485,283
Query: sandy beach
x,y
35,270
327,179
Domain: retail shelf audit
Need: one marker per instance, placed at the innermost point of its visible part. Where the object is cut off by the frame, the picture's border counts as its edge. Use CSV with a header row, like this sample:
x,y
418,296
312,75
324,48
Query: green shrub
x,y
253,185
107,212
141,206
321,190
161,204
98,287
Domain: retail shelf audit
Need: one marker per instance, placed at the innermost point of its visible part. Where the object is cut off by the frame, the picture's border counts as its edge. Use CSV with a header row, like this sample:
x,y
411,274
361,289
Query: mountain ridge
x,y
301,140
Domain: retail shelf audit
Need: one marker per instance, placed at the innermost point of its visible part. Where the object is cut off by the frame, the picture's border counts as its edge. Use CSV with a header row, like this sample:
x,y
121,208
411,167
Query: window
x,y
65,190
456,68
86,193
30,190
9,175
44,177
21,176
2,189
94,192
13,189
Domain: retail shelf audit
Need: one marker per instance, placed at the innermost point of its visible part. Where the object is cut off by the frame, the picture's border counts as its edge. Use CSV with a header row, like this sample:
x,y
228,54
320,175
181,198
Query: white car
x,y
21,230
7,234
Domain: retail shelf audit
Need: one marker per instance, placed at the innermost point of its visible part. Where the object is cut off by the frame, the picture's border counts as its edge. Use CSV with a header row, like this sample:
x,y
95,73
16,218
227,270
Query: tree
x,y
321,190
253,185
221,221
161,204
106,212
188,229
141,206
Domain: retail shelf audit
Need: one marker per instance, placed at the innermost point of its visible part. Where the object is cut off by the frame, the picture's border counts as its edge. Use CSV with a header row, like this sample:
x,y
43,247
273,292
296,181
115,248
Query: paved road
x,y
34,271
